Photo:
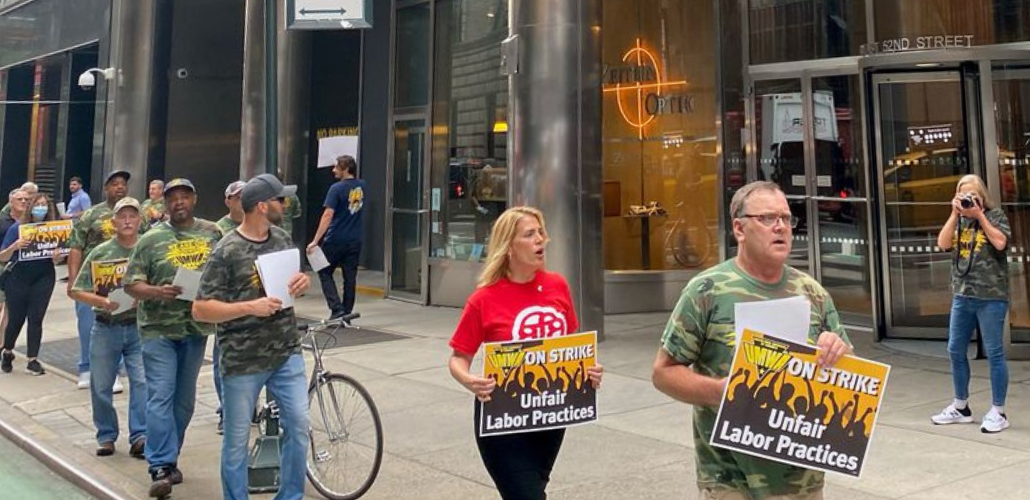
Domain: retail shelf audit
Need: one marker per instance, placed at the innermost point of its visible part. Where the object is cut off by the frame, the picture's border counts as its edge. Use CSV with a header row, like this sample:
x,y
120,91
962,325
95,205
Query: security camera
x,y
182,73
88,81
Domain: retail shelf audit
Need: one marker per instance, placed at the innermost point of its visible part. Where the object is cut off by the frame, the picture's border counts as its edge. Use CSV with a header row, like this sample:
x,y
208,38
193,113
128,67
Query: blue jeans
x,y
966,312
86,317
172,368
289,385
216,374
109,344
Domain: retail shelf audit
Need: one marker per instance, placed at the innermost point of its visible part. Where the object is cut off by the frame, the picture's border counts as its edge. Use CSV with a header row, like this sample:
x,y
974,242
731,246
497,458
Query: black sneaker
x,y
161,483
7,363
175,476
337,315
34,368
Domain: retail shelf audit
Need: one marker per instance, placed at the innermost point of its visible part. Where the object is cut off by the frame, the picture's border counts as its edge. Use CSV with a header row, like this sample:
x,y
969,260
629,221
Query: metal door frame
x,y
423,296
804,72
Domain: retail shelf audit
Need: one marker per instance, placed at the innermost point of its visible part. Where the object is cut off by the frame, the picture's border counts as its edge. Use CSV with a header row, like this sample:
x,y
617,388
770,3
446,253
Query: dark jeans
x,y
343,255
520,464
28,295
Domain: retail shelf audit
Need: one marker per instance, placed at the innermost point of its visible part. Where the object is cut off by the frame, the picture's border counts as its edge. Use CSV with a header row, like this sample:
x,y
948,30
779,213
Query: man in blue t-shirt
x,y
341,227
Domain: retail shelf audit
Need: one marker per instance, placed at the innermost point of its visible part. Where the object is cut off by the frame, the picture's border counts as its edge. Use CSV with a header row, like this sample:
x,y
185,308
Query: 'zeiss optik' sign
x,y
643,90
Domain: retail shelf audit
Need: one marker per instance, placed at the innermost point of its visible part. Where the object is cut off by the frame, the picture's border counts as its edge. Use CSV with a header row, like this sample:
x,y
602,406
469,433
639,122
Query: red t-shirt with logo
x,y
507,311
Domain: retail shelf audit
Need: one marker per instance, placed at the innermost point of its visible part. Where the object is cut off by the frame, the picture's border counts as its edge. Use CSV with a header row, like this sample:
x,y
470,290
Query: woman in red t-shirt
x,y
517,299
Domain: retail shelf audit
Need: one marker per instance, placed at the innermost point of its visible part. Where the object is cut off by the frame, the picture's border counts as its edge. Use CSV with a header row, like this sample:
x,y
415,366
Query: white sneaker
x,y
84,380
117,388
994,422
952,415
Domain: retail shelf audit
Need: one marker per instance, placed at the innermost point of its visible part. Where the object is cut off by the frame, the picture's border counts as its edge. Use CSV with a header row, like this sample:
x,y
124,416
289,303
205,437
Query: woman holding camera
x,y
977,233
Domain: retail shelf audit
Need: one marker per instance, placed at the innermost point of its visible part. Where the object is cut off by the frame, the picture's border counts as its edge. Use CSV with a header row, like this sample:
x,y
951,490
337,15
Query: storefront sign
x,y
328,14
641,91
905,44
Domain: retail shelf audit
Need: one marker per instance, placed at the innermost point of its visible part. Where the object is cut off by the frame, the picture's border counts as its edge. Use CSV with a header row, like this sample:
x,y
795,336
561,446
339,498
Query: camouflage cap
x,y
128,201
179,183
234,188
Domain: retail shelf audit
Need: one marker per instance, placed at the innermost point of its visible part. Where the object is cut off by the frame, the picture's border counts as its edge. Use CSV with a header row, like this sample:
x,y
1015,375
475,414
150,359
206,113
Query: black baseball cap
x,y
179,183
263,188
117,173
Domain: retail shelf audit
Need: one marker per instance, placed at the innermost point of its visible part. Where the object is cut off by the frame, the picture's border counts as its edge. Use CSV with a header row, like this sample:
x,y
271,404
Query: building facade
x,y
630,123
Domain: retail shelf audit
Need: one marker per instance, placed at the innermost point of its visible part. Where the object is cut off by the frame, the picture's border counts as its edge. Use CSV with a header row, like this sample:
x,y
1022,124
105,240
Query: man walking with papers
x,y
164,272
114,336
257,334
94,227
341,228
698,344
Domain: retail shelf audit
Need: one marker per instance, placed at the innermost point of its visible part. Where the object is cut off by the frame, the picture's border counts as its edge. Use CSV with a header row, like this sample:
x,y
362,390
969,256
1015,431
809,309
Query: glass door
x,y
408,215
926,137
1011,89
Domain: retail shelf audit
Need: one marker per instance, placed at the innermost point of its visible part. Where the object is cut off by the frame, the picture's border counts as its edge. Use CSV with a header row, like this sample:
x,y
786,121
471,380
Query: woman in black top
x,y
28,287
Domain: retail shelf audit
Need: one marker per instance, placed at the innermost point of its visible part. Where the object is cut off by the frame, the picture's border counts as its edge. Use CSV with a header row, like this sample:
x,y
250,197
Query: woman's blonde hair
x,y
501,236
978,187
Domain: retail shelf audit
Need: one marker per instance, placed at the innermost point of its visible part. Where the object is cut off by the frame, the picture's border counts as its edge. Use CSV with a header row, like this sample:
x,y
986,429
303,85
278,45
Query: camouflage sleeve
x,y
829,316
84,281
214,283
298,210
138,263
80,229
999,220
685,332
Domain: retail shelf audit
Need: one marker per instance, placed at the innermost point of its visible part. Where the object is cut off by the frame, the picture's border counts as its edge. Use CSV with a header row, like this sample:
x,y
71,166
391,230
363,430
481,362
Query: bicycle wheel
x,y
346,438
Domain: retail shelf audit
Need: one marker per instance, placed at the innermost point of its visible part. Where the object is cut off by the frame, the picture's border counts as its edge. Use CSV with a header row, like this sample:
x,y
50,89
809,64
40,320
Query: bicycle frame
x,y
318,375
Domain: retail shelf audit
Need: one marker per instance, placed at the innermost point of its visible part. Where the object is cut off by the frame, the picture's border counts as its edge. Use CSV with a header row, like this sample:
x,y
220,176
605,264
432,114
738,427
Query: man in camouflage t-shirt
x,y
697,346
232,220
154,206
173,343
114,335
291,210
257,338
94,227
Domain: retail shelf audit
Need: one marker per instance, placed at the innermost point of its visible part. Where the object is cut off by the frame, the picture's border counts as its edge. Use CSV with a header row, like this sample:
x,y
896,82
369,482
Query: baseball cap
x,y
263,188
117,173
128,201
234,188
179,183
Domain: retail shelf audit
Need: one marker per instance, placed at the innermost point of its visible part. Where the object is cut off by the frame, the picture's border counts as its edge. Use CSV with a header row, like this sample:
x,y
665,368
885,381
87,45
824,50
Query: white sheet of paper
x,y
317,259
330,148
276,269
785,318
60,209
123,299
189,280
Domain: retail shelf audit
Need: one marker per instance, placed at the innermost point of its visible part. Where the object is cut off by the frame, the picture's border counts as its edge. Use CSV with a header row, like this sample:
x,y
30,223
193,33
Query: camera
x,y
969,200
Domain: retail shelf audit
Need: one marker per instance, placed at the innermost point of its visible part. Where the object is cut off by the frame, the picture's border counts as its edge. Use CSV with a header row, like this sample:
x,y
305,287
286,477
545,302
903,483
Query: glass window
x,y
839,163
660,135
470,128
806,29
412,72
913,24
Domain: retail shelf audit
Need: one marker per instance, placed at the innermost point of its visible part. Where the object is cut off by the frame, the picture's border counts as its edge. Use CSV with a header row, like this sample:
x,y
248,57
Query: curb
x,y
57,463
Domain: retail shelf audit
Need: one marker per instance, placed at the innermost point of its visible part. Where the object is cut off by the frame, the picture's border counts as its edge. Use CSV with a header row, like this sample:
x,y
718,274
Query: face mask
x,y
39,212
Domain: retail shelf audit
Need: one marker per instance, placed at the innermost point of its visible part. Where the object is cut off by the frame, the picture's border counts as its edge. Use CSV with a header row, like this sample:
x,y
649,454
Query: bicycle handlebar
x,y
341,321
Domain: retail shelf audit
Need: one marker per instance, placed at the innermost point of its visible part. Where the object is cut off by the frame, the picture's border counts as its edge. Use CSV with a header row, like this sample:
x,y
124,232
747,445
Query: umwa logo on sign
x,y
642,90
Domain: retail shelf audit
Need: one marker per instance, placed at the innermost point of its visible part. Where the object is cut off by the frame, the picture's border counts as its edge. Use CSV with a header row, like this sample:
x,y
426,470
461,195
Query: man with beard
x,y
80,201
173,342
94,227
258,339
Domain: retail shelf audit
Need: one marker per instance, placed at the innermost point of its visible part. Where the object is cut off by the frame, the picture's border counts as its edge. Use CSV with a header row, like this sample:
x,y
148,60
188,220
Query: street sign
x,y
328,14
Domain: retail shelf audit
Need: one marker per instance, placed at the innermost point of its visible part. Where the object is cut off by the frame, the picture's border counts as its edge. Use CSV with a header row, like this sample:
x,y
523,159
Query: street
x,y
24,477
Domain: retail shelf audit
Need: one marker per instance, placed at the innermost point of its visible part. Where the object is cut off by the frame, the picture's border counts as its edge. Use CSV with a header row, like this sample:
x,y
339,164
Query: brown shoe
x,y
105,449
137,448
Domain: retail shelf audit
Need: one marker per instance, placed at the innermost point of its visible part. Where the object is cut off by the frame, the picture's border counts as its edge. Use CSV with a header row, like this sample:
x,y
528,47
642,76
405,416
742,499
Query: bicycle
x,y
688,245
346,432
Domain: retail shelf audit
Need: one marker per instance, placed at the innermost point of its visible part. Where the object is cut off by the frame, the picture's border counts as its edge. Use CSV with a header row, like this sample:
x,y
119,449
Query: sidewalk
x,y
640,449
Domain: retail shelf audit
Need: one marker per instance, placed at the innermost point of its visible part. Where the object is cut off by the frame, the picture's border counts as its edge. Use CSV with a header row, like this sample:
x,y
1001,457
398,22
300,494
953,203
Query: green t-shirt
x,y
291,210
987,277
155,260
6,211
112,256
700,334
95,226
227,225
249,344
153,211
